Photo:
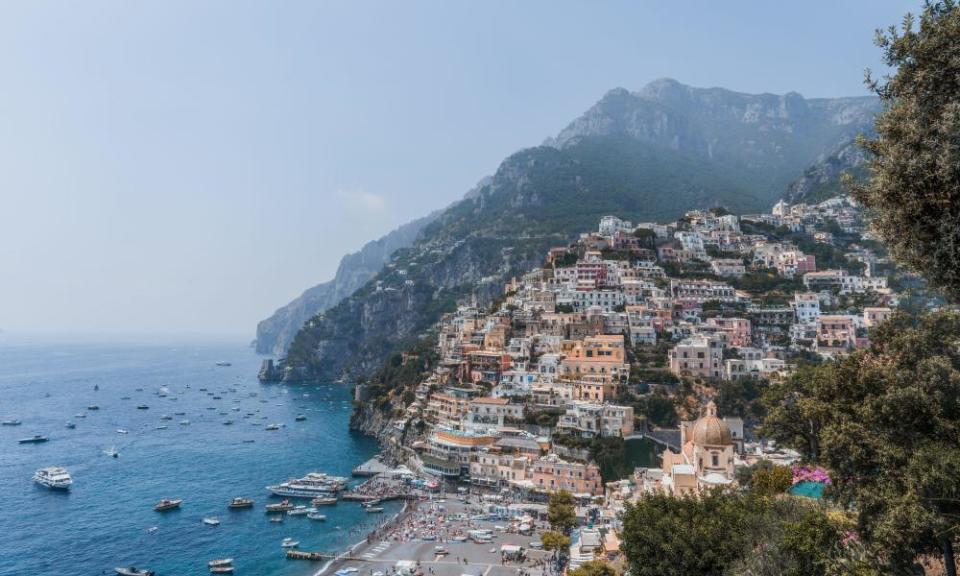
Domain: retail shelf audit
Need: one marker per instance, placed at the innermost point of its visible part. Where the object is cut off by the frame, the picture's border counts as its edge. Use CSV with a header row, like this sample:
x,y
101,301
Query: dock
x,y
303,555
371,467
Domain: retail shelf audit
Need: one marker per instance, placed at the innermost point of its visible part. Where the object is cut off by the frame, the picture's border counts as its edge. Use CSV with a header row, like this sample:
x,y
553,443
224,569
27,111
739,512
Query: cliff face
x,y
275,334
822,180
643,156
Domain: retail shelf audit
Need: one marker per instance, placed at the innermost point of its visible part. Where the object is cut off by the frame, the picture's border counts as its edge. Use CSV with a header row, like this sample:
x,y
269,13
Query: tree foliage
x,y
561,512
594,568
914,189
555,541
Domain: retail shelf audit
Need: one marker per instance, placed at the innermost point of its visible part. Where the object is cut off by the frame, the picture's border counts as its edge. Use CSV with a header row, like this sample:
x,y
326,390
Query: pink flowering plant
x,y
811,474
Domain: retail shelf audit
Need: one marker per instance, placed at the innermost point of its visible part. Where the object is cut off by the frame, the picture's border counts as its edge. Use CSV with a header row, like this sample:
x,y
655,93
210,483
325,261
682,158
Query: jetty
x,y
371,467
303,555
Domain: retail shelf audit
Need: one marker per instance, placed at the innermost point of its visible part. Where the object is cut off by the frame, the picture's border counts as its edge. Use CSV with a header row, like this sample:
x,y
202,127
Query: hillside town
x,y
648,333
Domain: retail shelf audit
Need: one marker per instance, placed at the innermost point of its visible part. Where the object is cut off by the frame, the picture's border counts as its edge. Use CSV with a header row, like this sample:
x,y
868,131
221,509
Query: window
x,y
716,460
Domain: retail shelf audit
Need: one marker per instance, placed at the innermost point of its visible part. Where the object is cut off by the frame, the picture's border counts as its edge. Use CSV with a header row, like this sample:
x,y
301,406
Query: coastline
x,y
350,551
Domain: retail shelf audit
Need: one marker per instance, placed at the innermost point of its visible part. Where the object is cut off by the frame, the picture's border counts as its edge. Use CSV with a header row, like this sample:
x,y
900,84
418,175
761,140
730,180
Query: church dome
x,y
710,430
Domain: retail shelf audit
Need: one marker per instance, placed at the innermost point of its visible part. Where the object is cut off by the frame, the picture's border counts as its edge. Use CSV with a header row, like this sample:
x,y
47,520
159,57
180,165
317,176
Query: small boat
x,y
272,427
80,415
179,413
228,422
249,441
54,477
184,422
71,425
112,452
218,563
300,511
316,516
122,431
223,363
323,501
132,571
35,439
161,427
373,509
11,422
152,529
370,503
167,504
282,506
239,502
276,519
289,543
93,407
124,397
222,570
211,521
166,417
142,407
300,418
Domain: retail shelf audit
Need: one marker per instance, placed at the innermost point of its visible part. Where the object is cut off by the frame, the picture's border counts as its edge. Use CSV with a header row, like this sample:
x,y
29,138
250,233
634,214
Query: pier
x,y
303,555
371,467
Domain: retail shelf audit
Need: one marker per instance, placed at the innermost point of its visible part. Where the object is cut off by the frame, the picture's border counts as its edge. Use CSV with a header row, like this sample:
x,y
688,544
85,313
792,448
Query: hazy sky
x,y
175,167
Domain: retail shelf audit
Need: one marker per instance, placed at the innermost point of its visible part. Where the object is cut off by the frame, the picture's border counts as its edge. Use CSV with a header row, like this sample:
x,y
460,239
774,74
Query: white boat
x,y
289,543
223,562
323,501
131,571
184,422
300,511
122,431
222,570
53,477
112,452
316,516
211,521
11,422
373,509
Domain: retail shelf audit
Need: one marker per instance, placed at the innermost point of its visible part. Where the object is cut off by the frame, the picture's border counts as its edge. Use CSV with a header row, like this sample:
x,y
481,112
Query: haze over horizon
x,y
189,168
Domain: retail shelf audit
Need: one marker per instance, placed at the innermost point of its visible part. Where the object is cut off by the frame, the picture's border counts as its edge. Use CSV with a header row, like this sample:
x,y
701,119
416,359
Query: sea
x,y
107,519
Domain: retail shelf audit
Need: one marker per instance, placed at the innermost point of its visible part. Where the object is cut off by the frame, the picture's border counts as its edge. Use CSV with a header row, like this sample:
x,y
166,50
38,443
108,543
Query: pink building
x,y
552,473
738,330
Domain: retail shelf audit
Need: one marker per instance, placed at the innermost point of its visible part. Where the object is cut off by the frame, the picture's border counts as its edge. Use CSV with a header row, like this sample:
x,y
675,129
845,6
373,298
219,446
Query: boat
x,y
71,425
223,363
152,529
370,503
222,570
96,387
132,571
161,427
300,418
239,502
35,439
316,516
53,477
121,431
124,397
142,407
313,485
184,422
93,407
300,511
276,519
166,417
211,521
289,543
272,427
218,563
179,413
163,391
167,504
228,422
11,422
112,452
279,507
373,509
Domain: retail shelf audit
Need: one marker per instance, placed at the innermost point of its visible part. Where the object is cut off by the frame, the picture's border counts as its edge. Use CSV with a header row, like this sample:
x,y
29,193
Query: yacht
x,y
239,502
54,477
131,571
211,521
167,504
35,439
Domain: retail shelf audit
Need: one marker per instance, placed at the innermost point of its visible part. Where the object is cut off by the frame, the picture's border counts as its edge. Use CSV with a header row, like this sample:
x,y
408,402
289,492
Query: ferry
x,y
239,502
35,439
166,504
54,477
131,571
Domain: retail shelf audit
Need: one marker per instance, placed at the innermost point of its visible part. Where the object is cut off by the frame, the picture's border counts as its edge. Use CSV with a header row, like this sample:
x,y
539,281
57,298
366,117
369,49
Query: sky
x,y
187,167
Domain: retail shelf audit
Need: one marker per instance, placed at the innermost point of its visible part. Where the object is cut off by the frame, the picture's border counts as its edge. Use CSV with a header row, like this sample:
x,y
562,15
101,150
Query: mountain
x,y
646,155
276,332
822,180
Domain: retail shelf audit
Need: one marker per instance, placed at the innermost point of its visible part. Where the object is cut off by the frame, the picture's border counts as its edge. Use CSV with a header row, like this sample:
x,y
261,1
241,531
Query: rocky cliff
x,y
822,180
649,155
275,334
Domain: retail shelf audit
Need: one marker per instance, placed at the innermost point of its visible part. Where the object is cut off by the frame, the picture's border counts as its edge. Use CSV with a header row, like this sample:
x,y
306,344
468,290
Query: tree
x,y
555,541
771,480
914,189
561,511
886,423
594,568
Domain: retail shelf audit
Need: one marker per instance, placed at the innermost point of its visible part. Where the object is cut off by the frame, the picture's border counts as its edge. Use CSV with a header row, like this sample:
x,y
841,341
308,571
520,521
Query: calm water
x,y
102,522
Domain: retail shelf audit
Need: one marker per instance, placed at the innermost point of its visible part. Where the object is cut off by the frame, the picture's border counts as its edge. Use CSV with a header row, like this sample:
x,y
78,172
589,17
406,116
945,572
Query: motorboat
x,y
167,504
316,516
279,507
142,407
11,422
223,363
323,501
122,431
300,511
289,543
35,439
373,509
93,407
166,417
132,571
222,570
112,452
211,521
71,425
184,422
53,477
276,519
218,563
300,418
161,427
239,502
272,427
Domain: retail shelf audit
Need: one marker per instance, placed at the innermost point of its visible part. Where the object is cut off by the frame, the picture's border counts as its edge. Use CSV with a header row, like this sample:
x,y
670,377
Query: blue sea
x,y
103,521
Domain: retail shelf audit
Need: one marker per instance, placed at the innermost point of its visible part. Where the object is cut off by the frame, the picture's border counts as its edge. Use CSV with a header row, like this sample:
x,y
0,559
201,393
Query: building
x,y
552,474
806,307
594,357
706,458
589,419
698,356
701,291
731,267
